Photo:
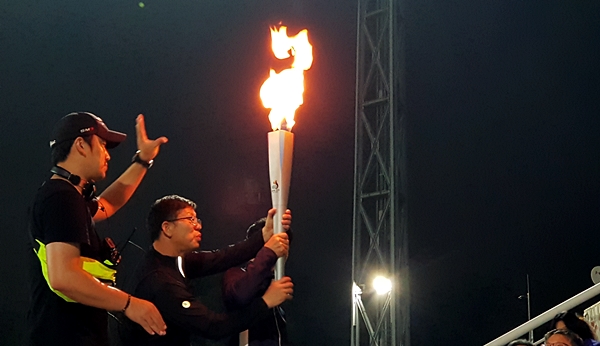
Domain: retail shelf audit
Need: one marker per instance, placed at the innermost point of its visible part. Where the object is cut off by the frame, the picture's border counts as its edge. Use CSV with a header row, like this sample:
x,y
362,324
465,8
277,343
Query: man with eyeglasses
x,y
562,337
163,275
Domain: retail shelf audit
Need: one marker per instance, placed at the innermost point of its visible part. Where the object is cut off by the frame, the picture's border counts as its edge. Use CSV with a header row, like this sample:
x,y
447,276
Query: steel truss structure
x,y
379,242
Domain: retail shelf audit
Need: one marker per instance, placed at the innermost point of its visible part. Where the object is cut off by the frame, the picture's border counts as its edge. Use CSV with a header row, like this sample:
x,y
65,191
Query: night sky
x,y
503,126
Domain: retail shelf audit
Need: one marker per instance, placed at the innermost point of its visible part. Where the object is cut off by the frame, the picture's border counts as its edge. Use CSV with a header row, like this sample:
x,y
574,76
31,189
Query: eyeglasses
x,y
192,219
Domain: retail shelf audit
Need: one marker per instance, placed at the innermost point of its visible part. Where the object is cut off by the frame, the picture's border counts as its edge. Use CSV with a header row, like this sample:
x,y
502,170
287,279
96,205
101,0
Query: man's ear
x,y
166,229
79,145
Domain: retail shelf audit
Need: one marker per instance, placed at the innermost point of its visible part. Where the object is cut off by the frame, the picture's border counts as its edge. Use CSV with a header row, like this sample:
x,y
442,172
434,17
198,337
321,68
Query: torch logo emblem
x,y
275,186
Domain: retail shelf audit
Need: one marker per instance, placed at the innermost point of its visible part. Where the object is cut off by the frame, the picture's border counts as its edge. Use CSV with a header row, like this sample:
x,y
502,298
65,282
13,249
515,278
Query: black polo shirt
x,y
163,280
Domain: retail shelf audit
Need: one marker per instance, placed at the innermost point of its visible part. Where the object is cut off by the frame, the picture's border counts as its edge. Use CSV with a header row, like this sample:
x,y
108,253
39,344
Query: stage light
x,y
382,285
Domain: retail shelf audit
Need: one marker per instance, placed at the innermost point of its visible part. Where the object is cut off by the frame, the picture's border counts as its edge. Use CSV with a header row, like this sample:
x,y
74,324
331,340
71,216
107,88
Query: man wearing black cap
x,y
68,298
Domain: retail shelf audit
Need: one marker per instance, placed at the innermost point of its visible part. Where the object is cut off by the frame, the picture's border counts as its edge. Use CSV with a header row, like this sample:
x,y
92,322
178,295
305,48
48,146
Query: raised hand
x,y
148,147
286,221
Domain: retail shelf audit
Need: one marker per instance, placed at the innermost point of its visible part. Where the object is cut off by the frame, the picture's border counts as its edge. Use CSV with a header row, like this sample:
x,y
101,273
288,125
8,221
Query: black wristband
x,y
136,159
127,304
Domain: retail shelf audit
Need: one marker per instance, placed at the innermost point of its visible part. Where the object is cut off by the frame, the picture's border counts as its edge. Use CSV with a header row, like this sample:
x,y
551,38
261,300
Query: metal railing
x,y
546,316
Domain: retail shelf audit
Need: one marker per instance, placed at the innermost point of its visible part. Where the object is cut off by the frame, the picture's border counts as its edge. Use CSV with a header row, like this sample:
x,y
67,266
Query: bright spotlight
x,y
382,285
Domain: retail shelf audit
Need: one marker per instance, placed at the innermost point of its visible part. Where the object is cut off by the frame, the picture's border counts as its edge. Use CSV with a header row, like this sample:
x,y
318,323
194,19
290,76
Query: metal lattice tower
x,y
379,242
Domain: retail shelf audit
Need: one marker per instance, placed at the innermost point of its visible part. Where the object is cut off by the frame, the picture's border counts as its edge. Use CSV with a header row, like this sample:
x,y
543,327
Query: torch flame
x,y
282,92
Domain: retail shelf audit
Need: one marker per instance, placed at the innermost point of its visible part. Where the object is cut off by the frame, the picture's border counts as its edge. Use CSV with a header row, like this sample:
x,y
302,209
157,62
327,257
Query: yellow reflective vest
x,y
97,269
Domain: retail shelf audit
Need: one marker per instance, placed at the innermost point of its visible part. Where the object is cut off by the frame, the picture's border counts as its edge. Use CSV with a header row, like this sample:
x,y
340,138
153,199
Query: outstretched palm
x,y
148,147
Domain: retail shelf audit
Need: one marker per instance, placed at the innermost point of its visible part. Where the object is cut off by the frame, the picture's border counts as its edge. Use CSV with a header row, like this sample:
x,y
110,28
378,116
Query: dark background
x,y
503,143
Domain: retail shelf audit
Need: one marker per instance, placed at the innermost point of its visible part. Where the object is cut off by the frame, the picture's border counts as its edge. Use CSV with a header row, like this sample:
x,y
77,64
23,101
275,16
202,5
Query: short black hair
x,y
574,338
60,151
521,342
256,227
164,209
575,323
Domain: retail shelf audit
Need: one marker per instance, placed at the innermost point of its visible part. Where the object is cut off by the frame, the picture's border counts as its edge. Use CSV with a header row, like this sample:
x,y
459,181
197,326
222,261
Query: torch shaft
x,y
278,228
281,146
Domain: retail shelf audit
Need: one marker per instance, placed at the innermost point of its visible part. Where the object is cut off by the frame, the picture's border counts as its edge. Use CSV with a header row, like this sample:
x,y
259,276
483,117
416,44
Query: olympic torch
x,y
282,93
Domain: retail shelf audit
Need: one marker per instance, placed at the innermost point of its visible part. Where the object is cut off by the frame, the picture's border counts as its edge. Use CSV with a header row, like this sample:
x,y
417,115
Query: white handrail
x,y
546,316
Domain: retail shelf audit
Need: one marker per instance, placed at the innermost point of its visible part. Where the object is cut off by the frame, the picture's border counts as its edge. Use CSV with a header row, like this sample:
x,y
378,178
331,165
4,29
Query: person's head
x,y
83,139
520,342
573,322
172,221
562,337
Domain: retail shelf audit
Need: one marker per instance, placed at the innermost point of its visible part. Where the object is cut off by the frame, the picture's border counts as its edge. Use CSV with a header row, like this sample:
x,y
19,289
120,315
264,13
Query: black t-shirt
x,y
60,214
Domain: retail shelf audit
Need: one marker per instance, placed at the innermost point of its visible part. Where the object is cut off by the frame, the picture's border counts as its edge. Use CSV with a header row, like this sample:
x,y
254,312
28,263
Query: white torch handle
x,y
278,228
281,148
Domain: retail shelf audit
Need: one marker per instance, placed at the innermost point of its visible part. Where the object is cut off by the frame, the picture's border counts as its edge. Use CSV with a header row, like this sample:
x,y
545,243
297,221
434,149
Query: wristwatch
x,y
136,159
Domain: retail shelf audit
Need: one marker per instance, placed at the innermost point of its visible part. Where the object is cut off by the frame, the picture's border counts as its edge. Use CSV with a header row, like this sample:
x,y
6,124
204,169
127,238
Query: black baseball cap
x,y
80,124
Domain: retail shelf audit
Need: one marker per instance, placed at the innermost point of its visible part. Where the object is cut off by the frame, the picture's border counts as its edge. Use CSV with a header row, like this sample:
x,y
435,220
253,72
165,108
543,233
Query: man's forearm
x,y
66,275
85,289
212,262
120,191
240,287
